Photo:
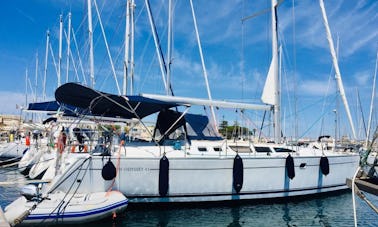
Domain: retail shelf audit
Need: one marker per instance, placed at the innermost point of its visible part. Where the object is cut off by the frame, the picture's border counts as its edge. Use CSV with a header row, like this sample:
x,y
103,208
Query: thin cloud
x,y
9,100
313,88
346,19
363,78
31,19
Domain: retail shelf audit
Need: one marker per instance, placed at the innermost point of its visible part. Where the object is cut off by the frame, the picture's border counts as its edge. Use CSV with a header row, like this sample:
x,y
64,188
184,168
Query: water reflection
x,y
312,212
333,210
235,214
286,214
323,219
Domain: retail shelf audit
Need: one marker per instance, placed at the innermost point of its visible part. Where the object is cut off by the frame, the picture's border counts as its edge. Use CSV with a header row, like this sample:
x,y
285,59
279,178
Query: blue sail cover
x,y
108,105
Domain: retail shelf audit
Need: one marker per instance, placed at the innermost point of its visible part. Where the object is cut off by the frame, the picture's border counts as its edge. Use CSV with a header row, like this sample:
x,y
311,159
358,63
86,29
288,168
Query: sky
x,y
237,55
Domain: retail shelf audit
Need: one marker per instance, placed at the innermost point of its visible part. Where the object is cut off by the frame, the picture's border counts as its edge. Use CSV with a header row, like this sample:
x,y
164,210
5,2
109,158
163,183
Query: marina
x,y
328,210
86,150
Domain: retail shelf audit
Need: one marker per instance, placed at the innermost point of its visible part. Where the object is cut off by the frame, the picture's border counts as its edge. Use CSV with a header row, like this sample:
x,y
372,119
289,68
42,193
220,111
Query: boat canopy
x,y
50,106
196,127
136,106
53,107
109,105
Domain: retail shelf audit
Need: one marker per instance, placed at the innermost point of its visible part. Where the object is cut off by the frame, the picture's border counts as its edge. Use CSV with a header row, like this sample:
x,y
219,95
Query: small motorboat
x,y
63,208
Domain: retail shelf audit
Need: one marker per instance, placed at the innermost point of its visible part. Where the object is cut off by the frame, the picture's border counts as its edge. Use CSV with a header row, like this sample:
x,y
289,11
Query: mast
x,y
271,92
132,48
277,106
26,88
90,35
68,45
45,68
60,48
169,52
336,67
36,77
127,42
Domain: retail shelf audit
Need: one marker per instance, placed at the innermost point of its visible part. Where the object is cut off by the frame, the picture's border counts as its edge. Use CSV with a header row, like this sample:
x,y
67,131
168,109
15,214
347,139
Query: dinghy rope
x,y
62,202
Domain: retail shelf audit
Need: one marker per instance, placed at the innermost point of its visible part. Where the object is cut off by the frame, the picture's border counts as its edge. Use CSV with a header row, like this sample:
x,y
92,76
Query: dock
x,y
369,185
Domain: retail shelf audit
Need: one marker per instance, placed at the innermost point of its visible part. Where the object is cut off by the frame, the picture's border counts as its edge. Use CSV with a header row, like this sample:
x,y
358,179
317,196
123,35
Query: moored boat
x,y
65,208
12,152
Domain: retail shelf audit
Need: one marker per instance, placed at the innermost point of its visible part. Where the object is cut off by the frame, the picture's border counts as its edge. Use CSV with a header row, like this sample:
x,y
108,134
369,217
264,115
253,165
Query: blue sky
x,y
237,55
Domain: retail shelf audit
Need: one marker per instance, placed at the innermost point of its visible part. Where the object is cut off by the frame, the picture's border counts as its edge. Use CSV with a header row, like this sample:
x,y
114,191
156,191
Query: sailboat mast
x,y
26,88
336,67
60,48
68,46
169,51
45,68
127,42
36,77
276,106
90,34
132,28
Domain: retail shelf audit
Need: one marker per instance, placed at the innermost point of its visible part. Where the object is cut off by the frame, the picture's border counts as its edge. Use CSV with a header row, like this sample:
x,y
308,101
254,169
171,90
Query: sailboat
x,y
187,160
197,165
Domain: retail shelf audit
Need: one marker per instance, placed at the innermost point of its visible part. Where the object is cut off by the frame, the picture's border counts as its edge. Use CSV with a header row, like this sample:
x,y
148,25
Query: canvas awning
x,y
108,105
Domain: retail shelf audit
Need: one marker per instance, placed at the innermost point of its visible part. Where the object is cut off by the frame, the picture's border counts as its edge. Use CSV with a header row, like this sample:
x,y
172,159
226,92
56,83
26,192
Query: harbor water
x,y
326,210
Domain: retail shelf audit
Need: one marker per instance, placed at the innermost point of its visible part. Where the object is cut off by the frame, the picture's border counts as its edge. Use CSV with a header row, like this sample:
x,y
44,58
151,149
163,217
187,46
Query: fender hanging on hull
x,y
109,171
324,165
163,176
290,167
238,173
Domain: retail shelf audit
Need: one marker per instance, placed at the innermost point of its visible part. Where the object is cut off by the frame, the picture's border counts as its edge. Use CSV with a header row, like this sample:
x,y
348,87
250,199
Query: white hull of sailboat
x,y
38,170
199,179
12,150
